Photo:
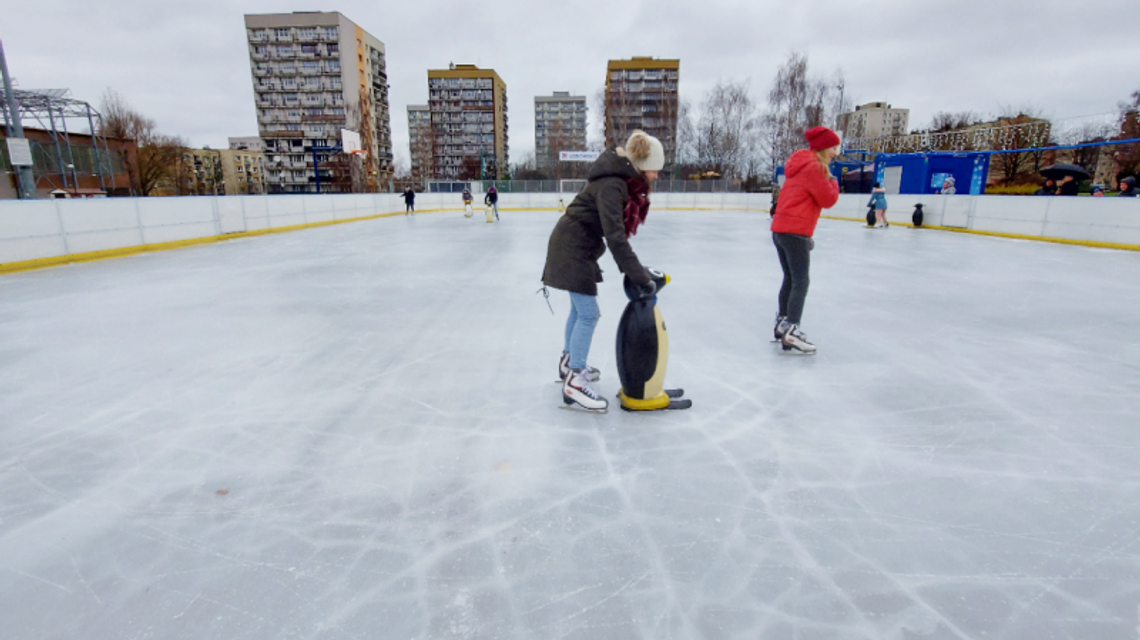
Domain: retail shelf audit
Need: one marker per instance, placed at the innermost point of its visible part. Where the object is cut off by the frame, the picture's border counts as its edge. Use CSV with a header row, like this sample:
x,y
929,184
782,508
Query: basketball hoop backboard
x,y
350,141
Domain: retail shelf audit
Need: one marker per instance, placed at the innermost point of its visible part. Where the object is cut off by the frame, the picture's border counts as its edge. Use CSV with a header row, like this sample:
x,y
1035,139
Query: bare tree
x,y
1014,139
158,155
1127,156
944,121
796,103
726,129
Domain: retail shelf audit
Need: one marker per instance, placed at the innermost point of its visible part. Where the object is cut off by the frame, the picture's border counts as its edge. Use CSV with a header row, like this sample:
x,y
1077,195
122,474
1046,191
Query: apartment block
x,y
217,172
874,120
641,93
315,73
247,143
559,125
468,108
420,141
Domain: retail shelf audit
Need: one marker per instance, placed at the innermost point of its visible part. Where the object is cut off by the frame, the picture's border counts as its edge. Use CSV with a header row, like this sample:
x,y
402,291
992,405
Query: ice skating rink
x,y
354,432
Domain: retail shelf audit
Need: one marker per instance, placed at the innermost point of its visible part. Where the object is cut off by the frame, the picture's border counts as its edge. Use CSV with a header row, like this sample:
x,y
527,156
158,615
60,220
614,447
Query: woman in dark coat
x,y
606,213
409,201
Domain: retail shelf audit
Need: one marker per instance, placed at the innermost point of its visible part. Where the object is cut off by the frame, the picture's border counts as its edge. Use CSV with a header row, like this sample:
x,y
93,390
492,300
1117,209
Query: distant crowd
x,y
1067,186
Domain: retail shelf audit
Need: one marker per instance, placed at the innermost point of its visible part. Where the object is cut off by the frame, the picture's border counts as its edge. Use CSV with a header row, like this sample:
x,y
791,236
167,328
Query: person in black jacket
x,y
492,200
409,201
1049,188
1128,187
605,213
1068,186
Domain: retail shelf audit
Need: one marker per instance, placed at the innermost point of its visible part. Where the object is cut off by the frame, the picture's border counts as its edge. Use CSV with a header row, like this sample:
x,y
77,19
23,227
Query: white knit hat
x,y
645,152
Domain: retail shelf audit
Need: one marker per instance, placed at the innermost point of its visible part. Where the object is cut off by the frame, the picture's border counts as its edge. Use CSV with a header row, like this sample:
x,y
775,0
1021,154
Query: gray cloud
x,y
186,65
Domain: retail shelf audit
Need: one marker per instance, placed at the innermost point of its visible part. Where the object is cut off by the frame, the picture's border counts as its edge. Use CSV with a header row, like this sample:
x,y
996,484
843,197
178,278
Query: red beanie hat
x,y
820,138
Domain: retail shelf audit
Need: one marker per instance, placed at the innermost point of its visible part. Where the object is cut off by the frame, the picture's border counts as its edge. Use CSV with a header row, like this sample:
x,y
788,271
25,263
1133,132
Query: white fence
x,y
1101,221
43,232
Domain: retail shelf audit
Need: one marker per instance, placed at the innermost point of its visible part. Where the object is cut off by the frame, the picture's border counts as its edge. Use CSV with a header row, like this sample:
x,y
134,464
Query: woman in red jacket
x,y
808,189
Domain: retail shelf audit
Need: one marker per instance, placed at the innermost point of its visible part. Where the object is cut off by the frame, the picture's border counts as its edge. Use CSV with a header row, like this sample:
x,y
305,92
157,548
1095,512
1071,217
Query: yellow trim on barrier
x,y
1015,236
90,256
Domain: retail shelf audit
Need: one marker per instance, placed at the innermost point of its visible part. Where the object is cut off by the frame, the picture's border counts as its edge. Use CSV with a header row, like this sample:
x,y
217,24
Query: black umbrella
x,y
1060,170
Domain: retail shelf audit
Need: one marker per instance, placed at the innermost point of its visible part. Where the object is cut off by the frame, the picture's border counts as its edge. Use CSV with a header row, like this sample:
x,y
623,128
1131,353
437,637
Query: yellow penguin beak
x,y
668,279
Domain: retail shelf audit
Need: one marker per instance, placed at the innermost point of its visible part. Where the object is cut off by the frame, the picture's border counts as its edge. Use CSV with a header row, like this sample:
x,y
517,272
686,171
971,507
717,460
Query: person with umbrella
x,y
1068,174
1047,189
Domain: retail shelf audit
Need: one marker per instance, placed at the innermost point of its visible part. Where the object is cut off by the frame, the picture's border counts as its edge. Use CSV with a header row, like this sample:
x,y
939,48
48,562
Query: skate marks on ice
x,y
376,407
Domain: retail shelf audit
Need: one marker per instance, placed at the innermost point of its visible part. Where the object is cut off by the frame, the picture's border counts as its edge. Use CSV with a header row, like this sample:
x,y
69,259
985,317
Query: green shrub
x,y
1013,190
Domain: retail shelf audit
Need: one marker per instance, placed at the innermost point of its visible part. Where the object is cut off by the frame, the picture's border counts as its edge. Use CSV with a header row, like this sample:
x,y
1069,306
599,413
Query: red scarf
x,y
637,208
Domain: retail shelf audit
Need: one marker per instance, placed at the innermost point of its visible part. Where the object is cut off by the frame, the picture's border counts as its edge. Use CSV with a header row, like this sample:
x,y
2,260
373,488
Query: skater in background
x,y
607,212
492,200
1128,187
467,200
879,201
808,189
409,201
948,188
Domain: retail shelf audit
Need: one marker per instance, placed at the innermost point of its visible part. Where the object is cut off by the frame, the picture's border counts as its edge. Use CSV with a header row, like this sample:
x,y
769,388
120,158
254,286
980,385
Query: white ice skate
x,y
795,339
780,328
591,374
577,391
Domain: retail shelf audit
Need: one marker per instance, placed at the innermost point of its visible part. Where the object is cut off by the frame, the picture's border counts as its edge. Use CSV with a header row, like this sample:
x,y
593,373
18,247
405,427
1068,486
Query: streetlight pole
x,y
26,181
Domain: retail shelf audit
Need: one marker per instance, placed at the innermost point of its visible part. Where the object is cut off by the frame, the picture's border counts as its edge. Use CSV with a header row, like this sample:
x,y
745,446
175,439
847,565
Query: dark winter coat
x,y
1131,191
1068,188
806,192
597,213
491,198
409,197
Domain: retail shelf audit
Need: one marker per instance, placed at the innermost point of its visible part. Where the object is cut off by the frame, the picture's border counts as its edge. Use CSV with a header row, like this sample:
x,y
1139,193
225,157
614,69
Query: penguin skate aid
x,y
643,350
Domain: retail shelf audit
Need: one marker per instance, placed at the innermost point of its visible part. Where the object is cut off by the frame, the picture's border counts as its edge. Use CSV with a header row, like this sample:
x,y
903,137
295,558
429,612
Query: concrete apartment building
x,y
247,143
315,73
420,142
217,172
641,93
874,120
559,125
468,107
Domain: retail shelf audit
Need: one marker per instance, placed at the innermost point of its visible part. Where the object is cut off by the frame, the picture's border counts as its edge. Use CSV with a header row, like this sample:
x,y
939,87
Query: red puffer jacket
x,y
806,192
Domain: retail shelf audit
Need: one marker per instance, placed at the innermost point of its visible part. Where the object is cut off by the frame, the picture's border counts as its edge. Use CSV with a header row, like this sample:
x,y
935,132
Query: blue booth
x,y
925,172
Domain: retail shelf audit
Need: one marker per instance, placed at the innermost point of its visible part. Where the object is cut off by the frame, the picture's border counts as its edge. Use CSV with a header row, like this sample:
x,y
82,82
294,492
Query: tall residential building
x,y
873,120
420,141
247,143
641,93
469,121
315,73
559,125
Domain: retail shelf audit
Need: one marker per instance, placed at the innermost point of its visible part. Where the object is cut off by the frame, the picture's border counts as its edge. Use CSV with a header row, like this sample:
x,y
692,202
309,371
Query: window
x,y
282,33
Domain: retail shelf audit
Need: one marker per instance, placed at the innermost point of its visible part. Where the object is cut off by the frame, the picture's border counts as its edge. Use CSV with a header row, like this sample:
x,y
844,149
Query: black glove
x,y
648,289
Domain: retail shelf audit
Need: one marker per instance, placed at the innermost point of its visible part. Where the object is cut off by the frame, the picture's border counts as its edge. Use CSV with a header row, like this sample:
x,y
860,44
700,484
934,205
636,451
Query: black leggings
x,y
795,260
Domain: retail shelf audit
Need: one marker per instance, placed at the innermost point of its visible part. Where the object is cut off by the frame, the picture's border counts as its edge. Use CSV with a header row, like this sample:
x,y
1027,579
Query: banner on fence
x,y
578,156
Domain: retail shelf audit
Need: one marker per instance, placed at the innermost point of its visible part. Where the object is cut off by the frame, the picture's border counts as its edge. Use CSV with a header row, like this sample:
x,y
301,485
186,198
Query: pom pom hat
x,y
645,152
820,138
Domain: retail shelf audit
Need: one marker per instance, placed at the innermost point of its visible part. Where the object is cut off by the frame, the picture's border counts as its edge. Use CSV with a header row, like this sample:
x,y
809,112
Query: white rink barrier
x,y
1104,222
42,233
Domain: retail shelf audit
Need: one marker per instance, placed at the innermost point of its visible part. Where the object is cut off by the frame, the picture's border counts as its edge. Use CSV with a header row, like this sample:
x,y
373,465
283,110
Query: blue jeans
x,y
580,326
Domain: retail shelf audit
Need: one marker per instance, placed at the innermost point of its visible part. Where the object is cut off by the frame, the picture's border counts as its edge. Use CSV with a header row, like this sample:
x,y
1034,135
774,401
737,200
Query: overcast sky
x,y
185,64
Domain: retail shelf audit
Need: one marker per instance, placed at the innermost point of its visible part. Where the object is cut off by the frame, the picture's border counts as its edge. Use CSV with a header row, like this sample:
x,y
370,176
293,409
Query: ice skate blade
x,y
792,351
577,408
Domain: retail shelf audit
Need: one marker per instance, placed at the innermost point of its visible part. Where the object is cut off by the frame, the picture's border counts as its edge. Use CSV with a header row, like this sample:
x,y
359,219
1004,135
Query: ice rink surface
x,y
354,432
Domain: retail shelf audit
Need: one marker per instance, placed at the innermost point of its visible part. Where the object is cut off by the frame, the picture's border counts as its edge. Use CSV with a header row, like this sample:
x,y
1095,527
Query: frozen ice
x,y
354,432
